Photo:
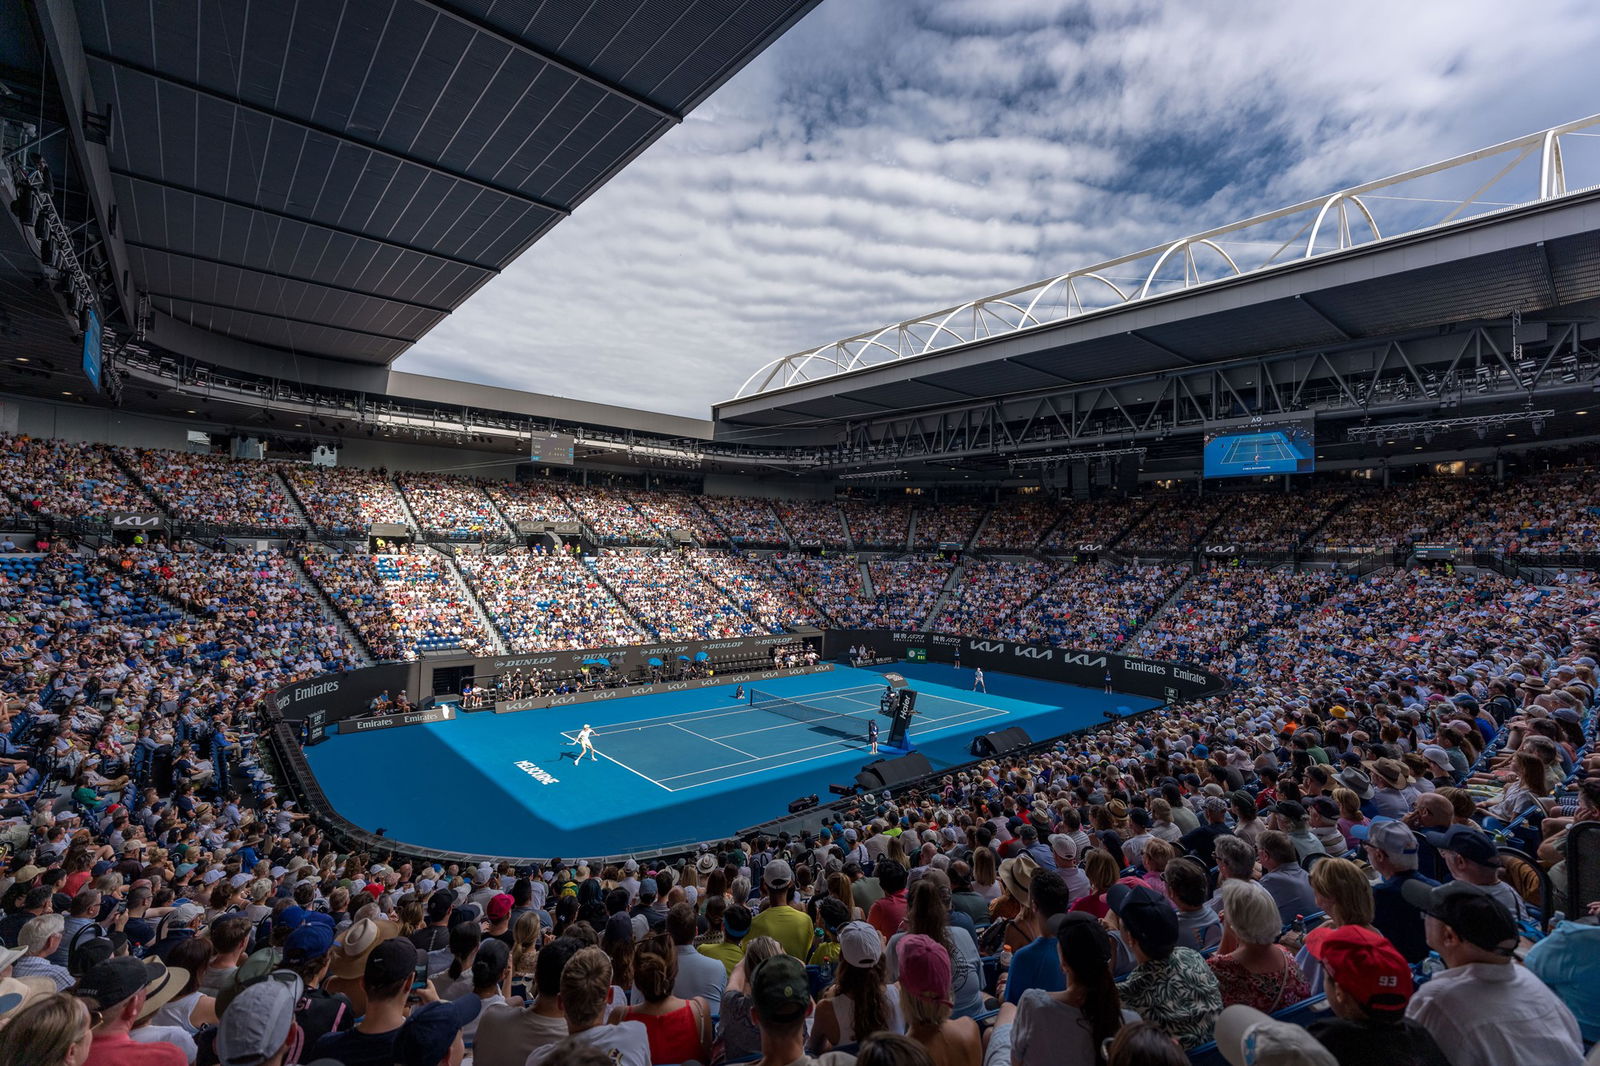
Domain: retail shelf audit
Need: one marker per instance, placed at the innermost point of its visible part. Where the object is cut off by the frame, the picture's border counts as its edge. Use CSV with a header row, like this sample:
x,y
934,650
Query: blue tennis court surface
x,y
1259,448
672,769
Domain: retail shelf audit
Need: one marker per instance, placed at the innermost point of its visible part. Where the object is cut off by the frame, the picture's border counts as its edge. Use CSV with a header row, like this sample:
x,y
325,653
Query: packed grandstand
x,y
1388,727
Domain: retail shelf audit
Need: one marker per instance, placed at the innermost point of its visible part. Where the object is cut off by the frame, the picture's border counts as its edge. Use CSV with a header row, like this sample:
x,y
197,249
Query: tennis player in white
x,y
977,681
584,745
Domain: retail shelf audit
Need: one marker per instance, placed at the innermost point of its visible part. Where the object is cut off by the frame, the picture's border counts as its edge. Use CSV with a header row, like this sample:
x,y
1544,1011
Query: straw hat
x,y
163,987
1016,875
350,951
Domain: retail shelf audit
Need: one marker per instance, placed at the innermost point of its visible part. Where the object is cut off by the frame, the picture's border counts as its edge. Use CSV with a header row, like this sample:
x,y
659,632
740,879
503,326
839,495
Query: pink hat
x,y
499,907
924,968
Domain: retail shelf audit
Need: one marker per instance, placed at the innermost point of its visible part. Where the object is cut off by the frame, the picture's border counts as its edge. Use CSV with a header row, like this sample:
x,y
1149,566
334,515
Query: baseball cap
x,y
1393,838
426,1036
1471,844
1247,1037
860,944
1063,846
1365,964
648,887
780,990
1290,809
311,941
259,1020
115,980
778,874
499,907
736,922
924,968
1470,910
1147,917
1214,805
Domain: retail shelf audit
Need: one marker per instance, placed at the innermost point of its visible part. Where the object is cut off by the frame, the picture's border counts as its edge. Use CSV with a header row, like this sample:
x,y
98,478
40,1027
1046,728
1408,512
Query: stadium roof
x,y
331,178
1357,265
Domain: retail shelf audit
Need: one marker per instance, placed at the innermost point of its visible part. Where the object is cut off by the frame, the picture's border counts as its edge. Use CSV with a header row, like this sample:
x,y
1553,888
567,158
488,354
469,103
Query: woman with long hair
x,y
928,913
679,1029
1070,1026
924,967
1350,814
985,874
1525,790
1342,890
617,942
190,1008
1102,871
716,886
526,936
737,1036
860,1000
55,1030
456,981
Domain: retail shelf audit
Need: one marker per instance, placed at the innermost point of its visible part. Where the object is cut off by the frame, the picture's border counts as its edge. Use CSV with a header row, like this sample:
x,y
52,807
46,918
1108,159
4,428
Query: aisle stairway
x,y
447,566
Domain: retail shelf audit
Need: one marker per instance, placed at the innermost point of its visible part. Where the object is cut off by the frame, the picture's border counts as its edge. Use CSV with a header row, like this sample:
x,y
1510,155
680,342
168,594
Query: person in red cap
x,y
1368,984
497,918
925,1003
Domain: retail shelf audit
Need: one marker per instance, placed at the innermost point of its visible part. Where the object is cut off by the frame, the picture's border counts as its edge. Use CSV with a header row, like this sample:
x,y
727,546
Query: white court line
x,y
994,712
713,740
624,765
758,770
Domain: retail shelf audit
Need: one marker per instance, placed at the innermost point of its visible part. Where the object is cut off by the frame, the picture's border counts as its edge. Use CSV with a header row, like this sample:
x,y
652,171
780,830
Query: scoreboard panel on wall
x,y
552,449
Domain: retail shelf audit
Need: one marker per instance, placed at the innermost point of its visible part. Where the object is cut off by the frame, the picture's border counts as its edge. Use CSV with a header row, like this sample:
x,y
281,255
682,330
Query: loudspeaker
x,y
842,790
889,773
999,742
804,803
1128,474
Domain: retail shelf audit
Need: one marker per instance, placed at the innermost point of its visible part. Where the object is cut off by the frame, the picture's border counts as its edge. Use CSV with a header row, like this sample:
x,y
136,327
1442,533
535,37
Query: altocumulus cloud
x,y
890,157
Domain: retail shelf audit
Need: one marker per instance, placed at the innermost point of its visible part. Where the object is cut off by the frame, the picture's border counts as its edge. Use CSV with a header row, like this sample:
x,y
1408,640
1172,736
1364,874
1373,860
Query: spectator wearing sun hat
x,y
1368,984
1247,1037
387,970
1484,1009
259,1027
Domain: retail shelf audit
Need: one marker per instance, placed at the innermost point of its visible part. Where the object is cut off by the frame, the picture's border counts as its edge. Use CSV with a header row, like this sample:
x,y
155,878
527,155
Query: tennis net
x,y
837,705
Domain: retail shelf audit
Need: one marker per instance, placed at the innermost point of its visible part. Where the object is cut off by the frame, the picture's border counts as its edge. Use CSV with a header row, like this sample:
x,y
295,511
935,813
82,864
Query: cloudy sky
x,y
888,158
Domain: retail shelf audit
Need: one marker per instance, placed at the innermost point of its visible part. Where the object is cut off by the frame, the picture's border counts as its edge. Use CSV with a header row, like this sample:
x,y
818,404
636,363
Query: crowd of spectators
x,y
832,583
1326,831
345,500
1175,521
1275,520
1099,521
201,487
1226,605
946,524
676,510
610,516
812,523
744,522
905,590
1379,520
1555,511
756,587
52,477
671,597
1018,523
877,525
451,506
531,501
1094,605
989,593
548,600
400,604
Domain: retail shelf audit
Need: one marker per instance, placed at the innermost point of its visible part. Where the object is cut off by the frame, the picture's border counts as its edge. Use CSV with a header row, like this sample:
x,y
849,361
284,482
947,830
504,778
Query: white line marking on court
x,y
713,740
759,769
624,765
993,712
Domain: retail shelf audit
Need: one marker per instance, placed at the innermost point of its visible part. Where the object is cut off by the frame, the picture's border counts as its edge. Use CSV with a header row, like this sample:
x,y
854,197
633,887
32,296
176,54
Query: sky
x,y
887,158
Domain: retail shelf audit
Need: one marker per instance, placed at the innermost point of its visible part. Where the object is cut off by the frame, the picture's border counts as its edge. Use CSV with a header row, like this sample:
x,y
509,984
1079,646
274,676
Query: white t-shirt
x,y
627,1041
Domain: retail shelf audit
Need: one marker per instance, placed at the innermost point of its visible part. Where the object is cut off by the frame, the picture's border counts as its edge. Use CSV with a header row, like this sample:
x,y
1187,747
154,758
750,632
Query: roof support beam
x,y
175,298
197,257
566,66
344,231
1311,306
342,136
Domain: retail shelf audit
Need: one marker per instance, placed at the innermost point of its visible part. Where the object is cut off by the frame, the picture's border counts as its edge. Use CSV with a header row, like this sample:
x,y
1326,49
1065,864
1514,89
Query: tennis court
x,y
673,768
721,743
1259,448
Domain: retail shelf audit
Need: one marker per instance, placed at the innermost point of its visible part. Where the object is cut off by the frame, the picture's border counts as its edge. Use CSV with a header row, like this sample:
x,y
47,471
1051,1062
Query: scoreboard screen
x,y
552,449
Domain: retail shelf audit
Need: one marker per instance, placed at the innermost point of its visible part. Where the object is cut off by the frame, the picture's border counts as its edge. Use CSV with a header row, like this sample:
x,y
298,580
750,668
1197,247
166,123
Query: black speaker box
x,y
891,773
999,742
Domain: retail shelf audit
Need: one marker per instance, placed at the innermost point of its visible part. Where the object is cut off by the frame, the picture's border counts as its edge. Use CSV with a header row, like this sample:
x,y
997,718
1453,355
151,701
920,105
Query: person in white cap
x,y
858,1003
779,917
258,1027
1247,1037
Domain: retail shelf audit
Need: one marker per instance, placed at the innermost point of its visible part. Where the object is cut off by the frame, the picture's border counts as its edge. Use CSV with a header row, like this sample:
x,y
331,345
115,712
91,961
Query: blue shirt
x,y
1035,965
1568,960
1398,920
